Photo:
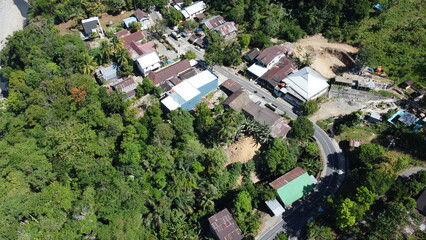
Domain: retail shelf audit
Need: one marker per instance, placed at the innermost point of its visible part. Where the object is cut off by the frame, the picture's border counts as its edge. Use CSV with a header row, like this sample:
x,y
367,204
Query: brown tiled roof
x,y
231,85
214,22
122,33
133,37
268,54
139,14
264,116
224,226
237,100
286,178
281,70
168,72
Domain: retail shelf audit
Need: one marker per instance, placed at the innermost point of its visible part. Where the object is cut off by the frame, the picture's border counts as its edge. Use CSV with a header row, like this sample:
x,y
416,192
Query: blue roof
x,y
378,6
129,20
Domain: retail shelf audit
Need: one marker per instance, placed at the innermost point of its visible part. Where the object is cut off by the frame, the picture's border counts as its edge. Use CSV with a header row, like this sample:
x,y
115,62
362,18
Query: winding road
x,y
333,175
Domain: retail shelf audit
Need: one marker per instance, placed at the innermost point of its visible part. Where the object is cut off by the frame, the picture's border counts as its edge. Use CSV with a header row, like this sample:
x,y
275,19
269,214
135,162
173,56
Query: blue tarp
x,y
378,7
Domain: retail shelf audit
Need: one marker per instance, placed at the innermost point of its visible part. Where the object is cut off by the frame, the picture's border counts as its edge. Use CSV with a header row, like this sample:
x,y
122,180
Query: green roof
x,y
296,189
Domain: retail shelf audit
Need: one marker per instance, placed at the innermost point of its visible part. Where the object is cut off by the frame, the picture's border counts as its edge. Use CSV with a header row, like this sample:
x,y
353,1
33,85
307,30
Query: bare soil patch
x,y
335,108
327,57
242,151
67,27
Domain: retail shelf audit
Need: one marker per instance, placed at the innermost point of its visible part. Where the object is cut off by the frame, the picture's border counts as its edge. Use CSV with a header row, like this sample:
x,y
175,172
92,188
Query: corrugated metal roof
x,y
286,178
231,85
139,14
224,226
279,71
275,207
133,37
237,100
296,189
268,54
168,72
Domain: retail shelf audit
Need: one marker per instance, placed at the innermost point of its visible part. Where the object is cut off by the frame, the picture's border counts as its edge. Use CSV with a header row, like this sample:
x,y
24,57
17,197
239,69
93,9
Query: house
x,y
193,10
224,28
127,86
270,56
188,93
240,101
137,49
293,185
374,117
108,74
303,85
230,86
92,25
132,37
406,84
251,55
128,21
161,77
355,143
421,203
179,3
276,207
148,62
122,33
143,18
274,76
198,39
224,227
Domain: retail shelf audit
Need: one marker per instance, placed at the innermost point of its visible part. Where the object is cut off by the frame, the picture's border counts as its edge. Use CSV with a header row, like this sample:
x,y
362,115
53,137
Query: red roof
x,y
168,72
122,33
142,48
279,71
224,226
133,37
286,178
268,54
139,14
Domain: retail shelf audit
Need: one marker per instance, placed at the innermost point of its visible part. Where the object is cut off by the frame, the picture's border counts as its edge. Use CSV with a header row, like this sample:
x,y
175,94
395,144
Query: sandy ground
x,y
13,14
335,108
242,151
323,61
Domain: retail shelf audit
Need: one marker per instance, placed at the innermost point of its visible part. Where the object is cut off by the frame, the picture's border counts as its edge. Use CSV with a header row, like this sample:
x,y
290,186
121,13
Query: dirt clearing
x,y
242,151
326,56
335,108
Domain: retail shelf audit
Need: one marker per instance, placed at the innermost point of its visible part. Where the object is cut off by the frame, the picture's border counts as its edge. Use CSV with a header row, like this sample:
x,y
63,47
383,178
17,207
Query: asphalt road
x,y
294,219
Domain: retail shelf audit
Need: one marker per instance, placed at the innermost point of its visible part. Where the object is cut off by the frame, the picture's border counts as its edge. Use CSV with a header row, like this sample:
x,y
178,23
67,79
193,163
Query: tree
x,y
280,158
135,26
242,203
244,40
173,16
346,214
189,55
310,107
87,64
204,120
302,129
260,40
318,230
370,154
107,50
187,2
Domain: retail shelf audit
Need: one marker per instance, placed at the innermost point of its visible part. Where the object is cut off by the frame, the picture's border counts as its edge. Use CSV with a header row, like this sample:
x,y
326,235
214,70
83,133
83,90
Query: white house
x,y
193,9
92,25
148,62
303,85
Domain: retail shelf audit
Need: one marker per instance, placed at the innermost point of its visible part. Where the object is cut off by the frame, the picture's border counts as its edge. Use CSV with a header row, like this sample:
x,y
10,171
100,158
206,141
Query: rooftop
x,y
129,20
231,85
252,54
286,178
224,226
268,54
279,71
148,59
213,22
193,9
133,37
139,14
237,100
168,72
90,24
421,203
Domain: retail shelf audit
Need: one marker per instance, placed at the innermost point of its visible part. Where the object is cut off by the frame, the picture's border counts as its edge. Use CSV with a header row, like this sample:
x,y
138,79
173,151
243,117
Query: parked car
x,y
258,102
197,48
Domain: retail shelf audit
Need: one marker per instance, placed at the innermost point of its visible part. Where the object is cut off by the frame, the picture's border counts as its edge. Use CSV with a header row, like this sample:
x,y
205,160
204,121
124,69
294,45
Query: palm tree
x,y
121,57
107,51
87,64
117,44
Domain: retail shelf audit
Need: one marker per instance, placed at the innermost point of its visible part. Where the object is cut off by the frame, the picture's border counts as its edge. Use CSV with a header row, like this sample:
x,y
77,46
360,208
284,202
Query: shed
x,y
129,20
230,86
355,143
374,117
275,207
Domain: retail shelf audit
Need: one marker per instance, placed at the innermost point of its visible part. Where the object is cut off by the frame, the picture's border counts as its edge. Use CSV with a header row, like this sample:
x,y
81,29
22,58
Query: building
x,y
127,86
355,143
224,28
92,25
251,55
240,101
293,185
132,37
421,203
274,76
276,207
165,76
303,85
374,117
194,9
224,227
230,86
143,18
108,74
137,49
128,21
270,56
188,93
148,62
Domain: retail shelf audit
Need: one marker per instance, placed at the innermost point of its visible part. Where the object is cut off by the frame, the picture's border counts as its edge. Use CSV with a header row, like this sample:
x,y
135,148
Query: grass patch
x,y
325,124
385,93
362,133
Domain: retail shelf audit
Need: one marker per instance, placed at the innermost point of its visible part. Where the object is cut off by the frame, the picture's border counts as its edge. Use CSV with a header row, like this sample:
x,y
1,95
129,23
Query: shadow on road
x,y
22,6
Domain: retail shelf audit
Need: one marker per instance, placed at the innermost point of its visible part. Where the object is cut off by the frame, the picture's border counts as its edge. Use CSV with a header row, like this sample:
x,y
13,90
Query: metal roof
x,y
286,178
268,54
224,226
90,24
168,72
296,189
129,20
237,100
148,59
275,207
231,85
